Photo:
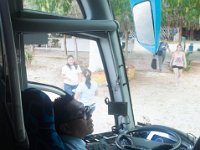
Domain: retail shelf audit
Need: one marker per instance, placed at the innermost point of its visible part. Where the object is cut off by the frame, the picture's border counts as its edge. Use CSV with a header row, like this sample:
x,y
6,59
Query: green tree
x,y
123,15
58,7
181,14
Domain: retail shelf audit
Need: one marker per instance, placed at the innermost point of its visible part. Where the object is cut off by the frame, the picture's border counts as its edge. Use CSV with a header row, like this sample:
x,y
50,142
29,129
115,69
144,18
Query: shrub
x,y
188,61
28,56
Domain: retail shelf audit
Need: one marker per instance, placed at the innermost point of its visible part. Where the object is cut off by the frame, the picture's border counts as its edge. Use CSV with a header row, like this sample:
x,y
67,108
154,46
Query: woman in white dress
x,y
71,73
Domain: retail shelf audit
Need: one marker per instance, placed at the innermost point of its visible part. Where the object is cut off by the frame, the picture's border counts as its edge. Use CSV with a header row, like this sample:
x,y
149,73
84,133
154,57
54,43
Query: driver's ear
x,y
65,128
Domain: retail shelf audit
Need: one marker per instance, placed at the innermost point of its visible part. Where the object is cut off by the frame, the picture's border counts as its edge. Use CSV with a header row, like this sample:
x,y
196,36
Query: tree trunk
x,y
168,33
65,44
180,35
76,48
126,44
192,34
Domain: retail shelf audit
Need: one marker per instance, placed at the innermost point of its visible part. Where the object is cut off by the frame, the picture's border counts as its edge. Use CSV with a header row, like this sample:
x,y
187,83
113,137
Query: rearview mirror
x,y
143,23
146,17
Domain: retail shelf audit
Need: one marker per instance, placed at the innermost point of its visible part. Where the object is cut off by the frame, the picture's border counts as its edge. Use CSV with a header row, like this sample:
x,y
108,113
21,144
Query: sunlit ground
x,y
155,97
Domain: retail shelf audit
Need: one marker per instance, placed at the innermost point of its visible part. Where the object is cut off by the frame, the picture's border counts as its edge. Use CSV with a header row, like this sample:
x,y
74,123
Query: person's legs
x,y
163,56
176,75
68,88
180,71
160,59
73,89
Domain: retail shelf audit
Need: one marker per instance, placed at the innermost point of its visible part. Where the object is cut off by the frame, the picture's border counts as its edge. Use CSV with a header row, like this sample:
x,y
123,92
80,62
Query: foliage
x,y
188,61
60,7
122,12
28,56
53,42
123,15
181,13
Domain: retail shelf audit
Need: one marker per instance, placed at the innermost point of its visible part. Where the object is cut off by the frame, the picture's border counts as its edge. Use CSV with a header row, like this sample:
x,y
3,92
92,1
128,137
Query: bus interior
x,y
30,38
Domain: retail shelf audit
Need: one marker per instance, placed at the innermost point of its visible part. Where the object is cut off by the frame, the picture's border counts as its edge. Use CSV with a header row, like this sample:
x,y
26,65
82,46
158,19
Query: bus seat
x,y
6,128
39,121
2,84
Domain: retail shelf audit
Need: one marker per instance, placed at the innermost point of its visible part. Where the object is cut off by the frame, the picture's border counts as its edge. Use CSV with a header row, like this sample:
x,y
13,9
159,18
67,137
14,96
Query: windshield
x,y
169,94
48,64
156,97
94,51
60,8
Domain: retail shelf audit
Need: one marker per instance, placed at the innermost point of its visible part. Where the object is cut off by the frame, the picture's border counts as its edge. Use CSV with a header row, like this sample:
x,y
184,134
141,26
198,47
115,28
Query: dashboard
x,y
153,136
102,141
187,142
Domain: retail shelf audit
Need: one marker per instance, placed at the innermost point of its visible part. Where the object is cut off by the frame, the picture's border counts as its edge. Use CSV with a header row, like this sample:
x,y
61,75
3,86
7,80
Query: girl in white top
x,y
71,73
178,62
87,89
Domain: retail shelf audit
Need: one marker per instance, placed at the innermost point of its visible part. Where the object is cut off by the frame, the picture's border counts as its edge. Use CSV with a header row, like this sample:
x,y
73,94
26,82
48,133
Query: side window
x,y
48,61
56,7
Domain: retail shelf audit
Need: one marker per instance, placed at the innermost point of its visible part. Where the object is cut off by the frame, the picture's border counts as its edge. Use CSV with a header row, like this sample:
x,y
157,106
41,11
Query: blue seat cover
x,y
39,121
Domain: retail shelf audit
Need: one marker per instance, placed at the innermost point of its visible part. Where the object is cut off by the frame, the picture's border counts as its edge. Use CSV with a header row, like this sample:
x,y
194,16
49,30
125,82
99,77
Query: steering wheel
x,y
127,141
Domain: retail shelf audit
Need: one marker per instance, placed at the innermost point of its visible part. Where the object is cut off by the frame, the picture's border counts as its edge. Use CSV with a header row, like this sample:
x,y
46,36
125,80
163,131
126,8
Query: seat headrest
x,y
39,120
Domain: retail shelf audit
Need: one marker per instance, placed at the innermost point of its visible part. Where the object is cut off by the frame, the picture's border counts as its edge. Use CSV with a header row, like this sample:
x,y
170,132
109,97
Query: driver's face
x,y
82,123
84,126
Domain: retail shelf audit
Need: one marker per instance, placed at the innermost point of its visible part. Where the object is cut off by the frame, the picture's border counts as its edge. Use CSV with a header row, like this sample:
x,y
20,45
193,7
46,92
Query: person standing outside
x,y
87,89
71,73
162,48
178,62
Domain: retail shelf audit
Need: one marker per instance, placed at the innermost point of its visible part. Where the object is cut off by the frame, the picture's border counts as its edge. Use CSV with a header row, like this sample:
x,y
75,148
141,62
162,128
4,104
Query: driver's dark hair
x,y
62,111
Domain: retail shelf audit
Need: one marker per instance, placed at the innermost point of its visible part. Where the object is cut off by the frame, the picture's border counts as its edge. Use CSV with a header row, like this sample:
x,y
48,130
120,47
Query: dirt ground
x,y
157,100
155,97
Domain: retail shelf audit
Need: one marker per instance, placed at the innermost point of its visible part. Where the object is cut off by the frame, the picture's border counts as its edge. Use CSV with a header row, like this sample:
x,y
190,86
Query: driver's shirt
x,y
73,143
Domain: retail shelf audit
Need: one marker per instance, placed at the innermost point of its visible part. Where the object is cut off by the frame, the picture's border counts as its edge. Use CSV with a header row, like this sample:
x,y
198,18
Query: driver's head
x,y
72,118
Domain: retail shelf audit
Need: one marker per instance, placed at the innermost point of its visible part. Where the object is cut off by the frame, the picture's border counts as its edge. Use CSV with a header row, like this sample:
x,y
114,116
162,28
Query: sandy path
x,y
157,100
155,97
